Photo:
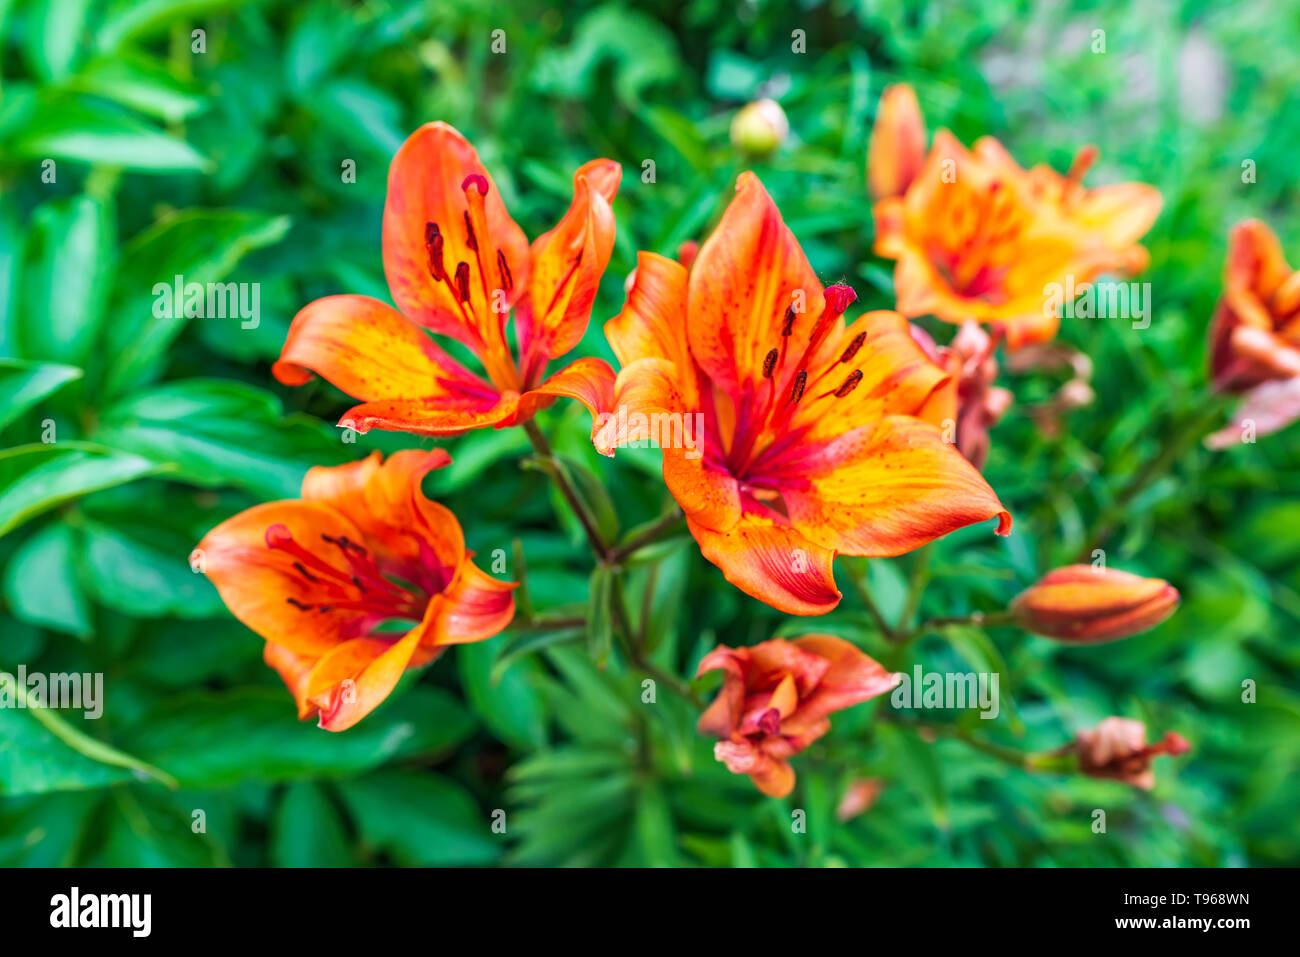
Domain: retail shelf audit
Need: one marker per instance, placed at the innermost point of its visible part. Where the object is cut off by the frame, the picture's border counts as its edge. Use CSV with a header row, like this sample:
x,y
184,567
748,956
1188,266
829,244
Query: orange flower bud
x,y
1117,749
897,150
1080,603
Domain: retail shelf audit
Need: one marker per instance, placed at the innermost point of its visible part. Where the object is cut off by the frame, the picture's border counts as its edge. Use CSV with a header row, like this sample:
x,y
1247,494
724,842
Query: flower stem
x,y
543,449
662,527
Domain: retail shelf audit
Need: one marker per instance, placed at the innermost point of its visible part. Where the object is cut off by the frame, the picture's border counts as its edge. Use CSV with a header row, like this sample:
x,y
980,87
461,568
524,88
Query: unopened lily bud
x,y
1117,749
1087,605
759,128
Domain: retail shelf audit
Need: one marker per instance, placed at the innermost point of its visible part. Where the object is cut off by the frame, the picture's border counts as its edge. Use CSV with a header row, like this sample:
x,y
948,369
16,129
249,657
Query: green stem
x,y
920,578
660,529
84,744
635,653
861,589
543,449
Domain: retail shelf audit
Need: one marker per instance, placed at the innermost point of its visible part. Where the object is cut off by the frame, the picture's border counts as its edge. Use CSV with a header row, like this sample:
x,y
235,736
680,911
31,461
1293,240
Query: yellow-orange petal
x,y
652,323
748,273
896,153
370,351
260,585
427,184
353,679
776,565
474,607
887,488
589,380
567,264
440,416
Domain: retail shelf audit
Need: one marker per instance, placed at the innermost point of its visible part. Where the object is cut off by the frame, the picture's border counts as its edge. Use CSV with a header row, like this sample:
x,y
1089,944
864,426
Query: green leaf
x,y
211,739
308,830
127,19
54,31
421,819
34,478
139,580
216,433
70,256
66,127
142,84
24,383
508,702
41,583
42,751
12,241
201,246
527,642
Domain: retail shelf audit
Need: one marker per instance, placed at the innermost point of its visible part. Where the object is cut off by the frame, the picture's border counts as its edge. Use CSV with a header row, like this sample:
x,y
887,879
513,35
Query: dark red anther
x,y
838,298
507,280
470,239
853,347
433,246
301,606
302,570
787,324
849,384
478,181
769,363
800,382
462,281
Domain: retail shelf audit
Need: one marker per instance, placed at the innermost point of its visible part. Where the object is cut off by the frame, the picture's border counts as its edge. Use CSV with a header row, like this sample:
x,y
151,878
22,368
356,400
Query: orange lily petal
x,y
897,150
474,606
440,416
652,323
257,583
851,678
567,264
747,274
773,564
370,351
429,181
353,679
589,380
887,489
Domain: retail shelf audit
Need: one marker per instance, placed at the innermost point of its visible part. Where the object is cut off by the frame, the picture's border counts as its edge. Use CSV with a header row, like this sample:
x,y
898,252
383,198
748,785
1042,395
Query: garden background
x,y
228,164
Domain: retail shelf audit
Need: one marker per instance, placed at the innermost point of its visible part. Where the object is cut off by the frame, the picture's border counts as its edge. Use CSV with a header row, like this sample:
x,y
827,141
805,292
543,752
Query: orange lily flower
x,y
1087,605
776,699
977,237
969,403
806,442
319,577
1255,334
458,266
1117,749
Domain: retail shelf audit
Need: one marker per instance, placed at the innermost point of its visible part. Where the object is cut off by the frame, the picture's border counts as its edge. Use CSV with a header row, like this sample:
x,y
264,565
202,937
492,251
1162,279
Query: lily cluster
x,y
823,433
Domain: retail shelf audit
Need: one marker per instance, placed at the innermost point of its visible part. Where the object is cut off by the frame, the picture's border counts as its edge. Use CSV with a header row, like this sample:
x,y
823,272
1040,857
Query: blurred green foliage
x,y
225,164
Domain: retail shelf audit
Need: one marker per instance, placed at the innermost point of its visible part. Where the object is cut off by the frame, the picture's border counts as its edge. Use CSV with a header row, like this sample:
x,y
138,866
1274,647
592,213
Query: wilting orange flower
x,y
323,578
969,402
1117,749
1255,334
977,237
801,433
1087,605
776,699
458,266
